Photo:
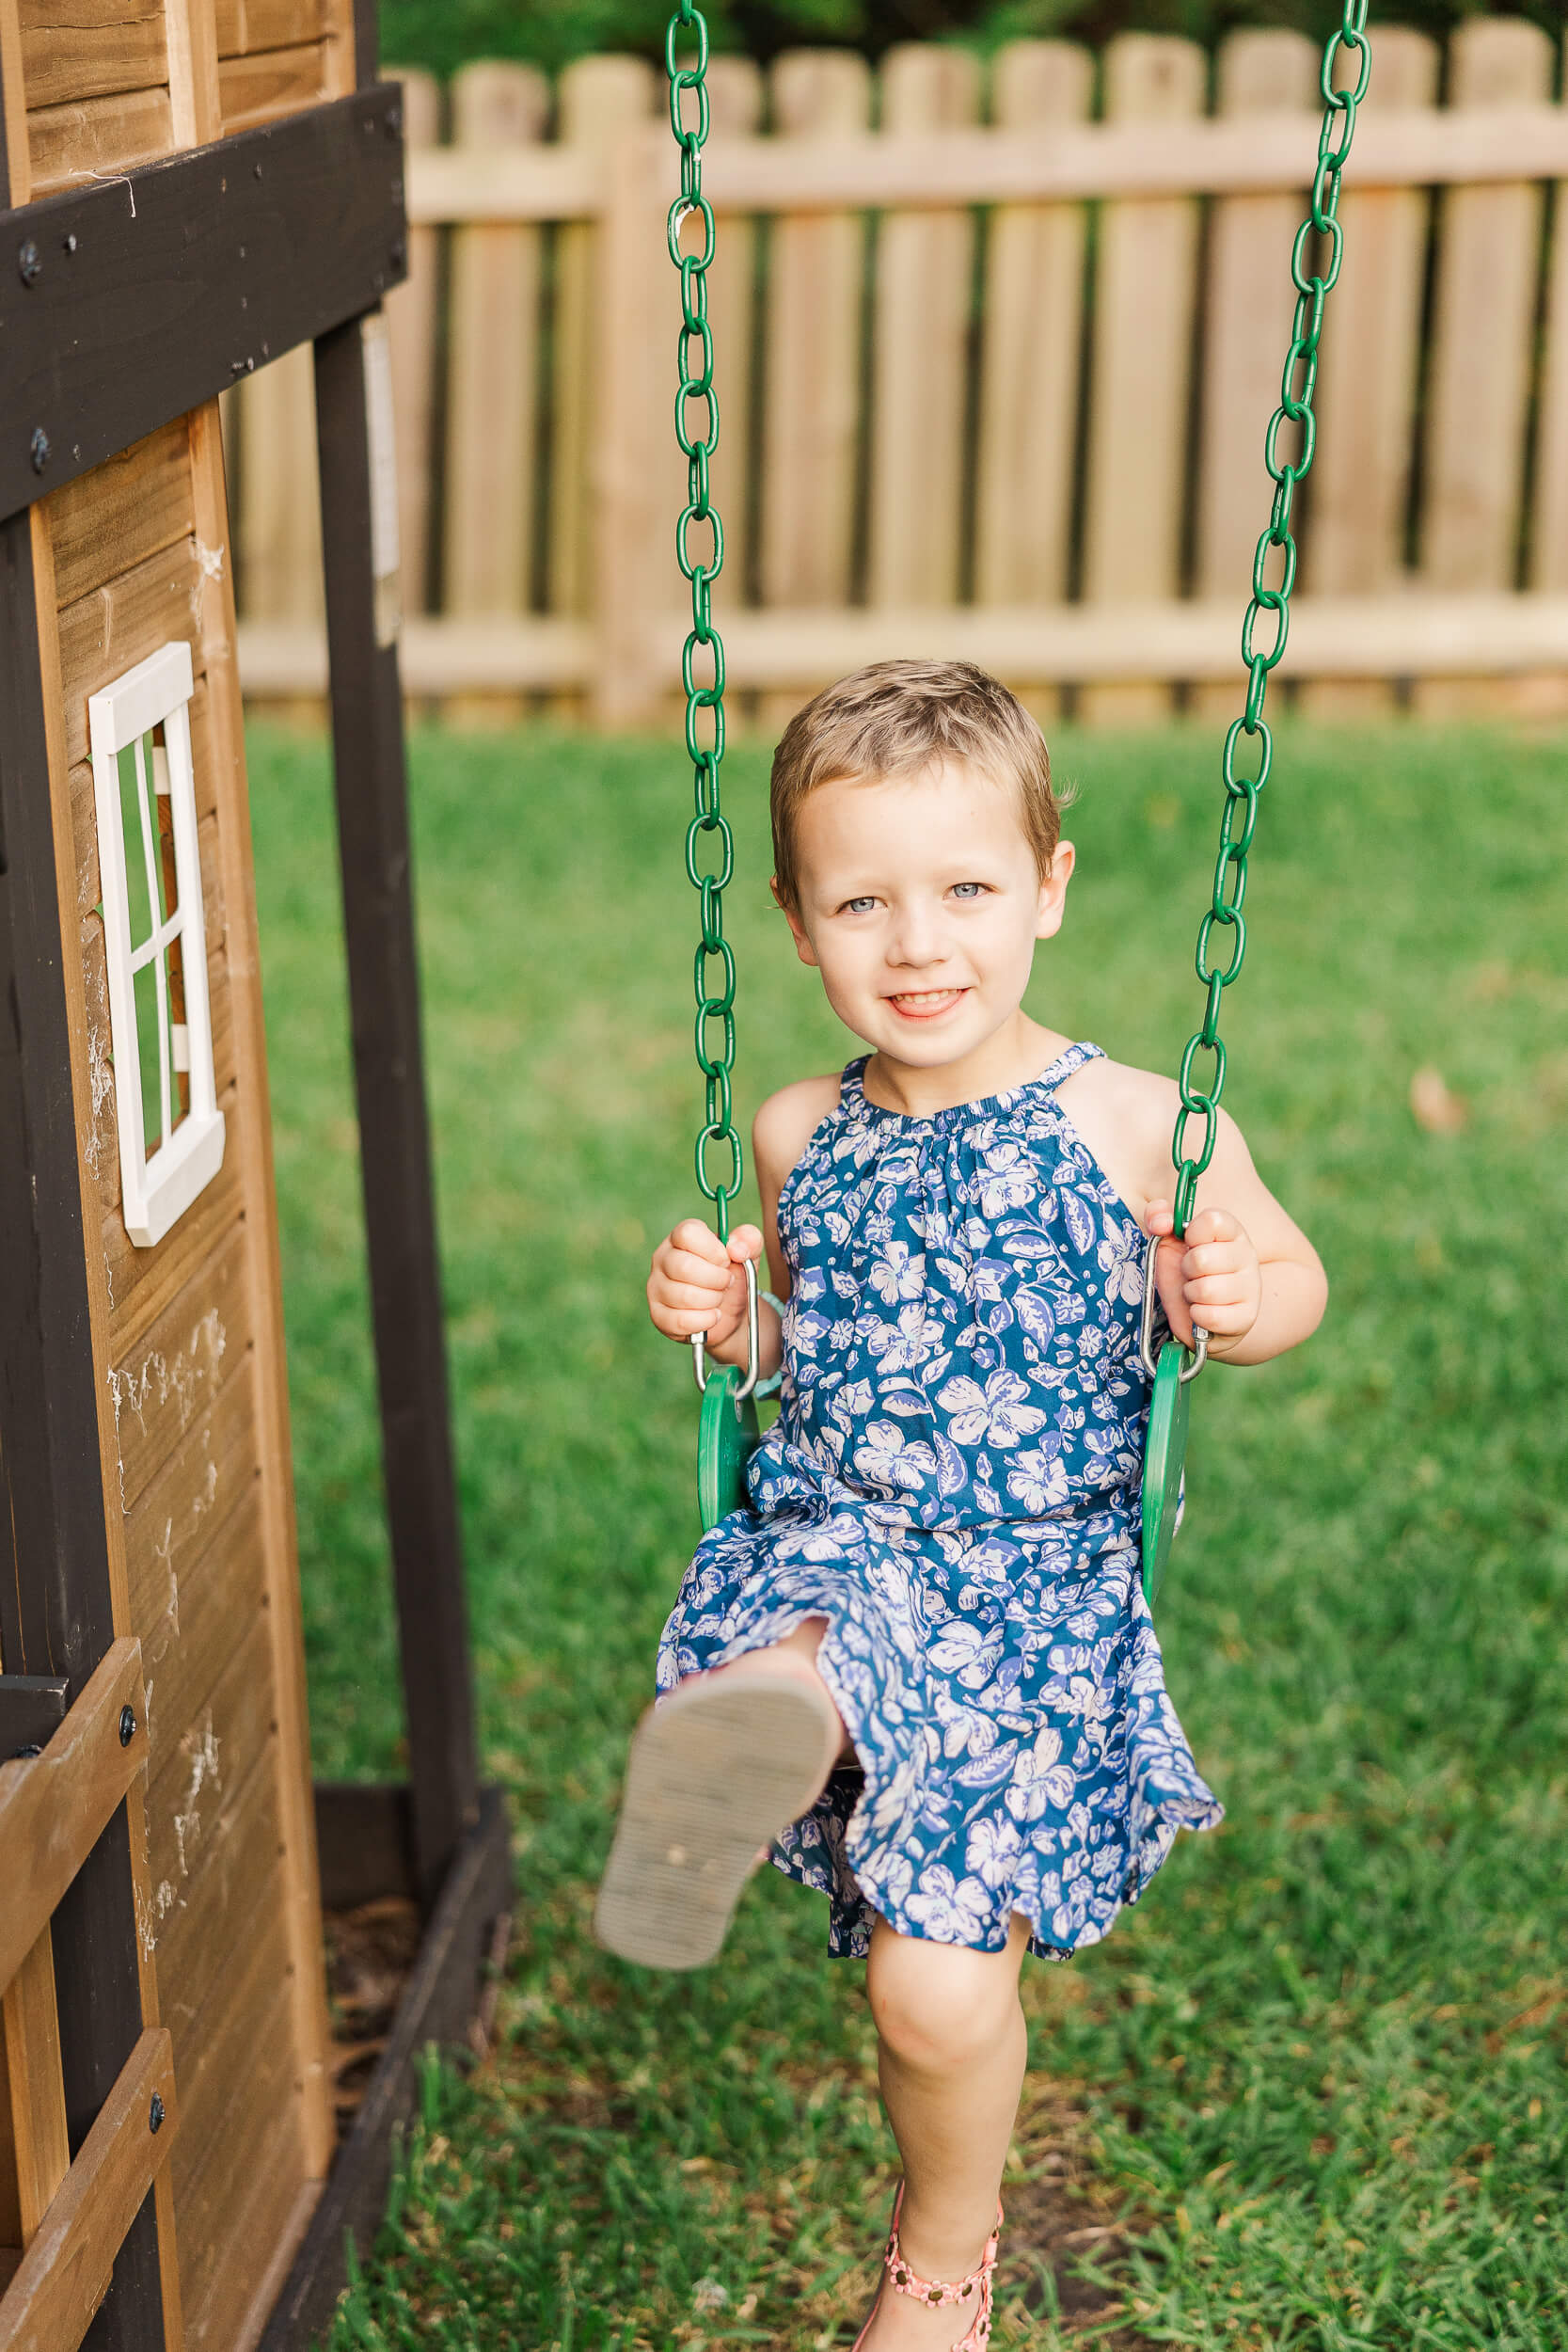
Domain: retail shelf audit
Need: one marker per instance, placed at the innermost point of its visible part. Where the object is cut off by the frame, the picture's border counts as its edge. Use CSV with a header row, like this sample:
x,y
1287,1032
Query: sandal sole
x,y
716,1770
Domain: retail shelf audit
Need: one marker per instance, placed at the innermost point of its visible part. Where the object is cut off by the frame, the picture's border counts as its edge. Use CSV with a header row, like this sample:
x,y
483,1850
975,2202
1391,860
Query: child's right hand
x,y
697,1284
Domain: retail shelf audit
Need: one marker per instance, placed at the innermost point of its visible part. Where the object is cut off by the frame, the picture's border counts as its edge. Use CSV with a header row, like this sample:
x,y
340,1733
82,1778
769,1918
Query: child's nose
x,y
917,941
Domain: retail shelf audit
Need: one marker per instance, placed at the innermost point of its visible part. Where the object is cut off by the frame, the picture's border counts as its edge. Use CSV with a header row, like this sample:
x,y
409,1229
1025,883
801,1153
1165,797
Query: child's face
x,y
920,904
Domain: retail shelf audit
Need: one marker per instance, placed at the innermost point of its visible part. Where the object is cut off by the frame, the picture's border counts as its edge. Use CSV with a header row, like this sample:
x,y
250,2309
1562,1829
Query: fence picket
x,y
1032,329
734,98
279,573
920,350
599,100
1144,280
1549,532
811,421
411,347
1370,362
1248,301
1484,336
491,386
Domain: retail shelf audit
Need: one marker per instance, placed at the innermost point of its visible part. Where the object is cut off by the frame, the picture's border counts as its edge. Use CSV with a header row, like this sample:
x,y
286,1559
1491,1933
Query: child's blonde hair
x,y
899,718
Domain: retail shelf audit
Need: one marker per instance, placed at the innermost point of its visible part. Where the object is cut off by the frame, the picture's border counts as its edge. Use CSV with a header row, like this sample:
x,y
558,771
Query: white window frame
x,y
157,692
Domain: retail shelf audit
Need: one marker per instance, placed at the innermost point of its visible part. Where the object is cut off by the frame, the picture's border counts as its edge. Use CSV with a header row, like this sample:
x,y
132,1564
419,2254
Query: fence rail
x,y
993,388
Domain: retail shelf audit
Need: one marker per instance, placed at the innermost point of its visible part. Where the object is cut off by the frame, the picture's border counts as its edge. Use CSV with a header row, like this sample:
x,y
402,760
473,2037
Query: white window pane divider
x,y
156,1189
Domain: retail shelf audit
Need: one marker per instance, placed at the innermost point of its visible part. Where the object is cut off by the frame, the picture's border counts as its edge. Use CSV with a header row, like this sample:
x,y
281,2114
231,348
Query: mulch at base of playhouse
x,y
370,1953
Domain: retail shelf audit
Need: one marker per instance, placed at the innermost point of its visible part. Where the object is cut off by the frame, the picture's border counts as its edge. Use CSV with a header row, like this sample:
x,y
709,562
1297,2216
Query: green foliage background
x,y
442,34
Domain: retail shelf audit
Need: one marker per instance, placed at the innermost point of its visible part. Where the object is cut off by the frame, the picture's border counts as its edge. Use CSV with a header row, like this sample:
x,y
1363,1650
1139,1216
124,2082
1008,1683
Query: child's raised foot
x,y
716,1770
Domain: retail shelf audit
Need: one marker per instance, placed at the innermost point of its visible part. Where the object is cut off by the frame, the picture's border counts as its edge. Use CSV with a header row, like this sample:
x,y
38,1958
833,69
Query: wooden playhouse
x,y
193,186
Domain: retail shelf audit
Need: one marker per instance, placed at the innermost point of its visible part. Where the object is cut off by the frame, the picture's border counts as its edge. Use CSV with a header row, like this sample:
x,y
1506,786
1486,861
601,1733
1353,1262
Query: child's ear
x,y
1048,921
803,948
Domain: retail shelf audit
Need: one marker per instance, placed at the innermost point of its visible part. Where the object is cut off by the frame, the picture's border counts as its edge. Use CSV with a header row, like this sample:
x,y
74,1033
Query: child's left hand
x,y
1210,1276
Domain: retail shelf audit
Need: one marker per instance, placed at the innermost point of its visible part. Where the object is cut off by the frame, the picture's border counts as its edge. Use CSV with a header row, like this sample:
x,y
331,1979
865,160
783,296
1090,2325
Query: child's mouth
x,y
926,1004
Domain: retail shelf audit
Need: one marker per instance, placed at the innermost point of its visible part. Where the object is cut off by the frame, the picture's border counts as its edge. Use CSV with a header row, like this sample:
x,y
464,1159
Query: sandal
x,y
718,1768
936,2292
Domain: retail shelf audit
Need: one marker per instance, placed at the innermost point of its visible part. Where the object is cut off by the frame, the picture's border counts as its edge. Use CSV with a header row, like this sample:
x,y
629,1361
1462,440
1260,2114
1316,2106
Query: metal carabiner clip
x,y
754,1343
1146,1329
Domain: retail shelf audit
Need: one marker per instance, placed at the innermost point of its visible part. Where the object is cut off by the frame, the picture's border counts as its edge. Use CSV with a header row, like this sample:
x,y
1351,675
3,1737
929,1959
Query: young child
x,y
921,1662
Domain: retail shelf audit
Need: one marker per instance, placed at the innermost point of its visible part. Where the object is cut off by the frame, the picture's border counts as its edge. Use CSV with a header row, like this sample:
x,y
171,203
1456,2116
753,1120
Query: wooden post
x,y
816,279
1550,535
1033,330
388,1069
1488,273
494,342
920,350
1370,360
1144,285
357,469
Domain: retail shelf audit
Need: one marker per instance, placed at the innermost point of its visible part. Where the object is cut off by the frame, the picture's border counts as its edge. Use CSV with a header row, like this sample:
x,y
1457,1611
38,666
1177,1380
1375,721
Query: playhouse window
x,y
170,1127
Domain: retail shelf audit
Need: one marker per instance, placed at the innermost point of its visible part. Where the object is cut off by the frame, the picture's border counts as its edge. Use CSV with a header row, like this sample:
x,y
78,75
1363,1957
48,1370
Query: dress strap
x,y
851,1085
1064,1064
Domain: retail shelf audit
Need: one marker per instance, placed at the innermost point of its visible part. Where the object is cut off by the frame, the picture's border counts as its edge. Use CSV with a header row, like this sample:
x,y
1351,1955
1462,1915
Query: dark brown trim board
x,y
130,302
439,1998
394,1135
57,1614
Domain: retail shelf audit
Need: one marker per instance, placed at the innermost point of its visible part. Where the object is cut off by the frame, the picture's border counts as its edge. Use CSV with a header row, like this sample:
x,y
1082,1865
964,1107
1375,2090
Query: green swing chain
x,y
1295,408
714,1060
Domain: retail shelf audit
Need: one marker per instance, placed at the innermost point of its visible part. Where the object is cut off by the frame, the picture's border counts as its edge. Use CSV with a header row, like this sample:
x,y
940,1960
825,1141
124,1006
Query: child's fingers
x,y
677,1269
1212,1225
745,1242
1216,1290
1160,1217
1214,1257
698,1240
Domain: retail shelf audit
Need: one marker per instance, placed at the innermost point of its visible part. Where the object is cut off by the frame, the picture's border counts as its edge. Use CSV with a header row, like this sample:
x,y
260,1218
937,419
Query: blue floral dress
x,y
954,1484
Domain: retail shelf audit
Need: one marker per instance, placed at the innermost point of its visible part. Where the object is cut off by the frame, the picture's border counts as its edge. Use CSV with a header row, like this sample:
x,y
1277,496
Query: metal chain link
x,y
713,968
1239,816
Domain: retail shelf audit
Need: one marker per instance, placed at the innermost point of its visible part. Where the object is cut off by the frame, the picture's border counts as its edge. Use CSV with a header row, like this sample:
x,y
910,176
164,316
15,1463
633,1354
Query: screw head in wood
x,y
155,2114
29,263
39,449
127,1726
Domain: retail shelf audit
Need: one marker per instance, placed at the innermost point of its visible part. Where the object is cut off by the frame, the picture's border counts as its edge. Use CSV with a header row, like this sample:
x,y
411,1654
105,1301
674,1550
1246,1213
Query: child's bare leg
x,y
951,2051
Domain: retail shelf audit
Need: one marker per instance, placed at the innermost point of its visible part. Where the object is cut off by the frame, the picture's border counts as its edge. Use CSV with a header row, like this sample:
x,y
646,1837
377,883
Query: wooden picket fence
x,y
993,390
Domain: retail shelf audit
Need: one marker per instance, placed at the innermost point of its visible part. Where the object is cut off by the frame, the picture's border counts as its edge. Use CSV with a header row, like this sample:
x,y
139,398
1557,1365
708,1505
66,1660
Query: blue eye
x,y
968,890
856,906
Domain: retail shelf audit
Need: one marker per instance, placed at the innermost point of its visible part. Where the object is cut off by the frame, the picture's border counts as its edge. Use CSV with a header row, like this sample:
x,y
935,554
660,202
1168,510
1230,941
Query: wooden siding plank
x,y
76,49
235,1889
160,1387
1031,329
491,422
97,137
1482,342
817,270
265,2208
1249,302
186,1653
109,631
168,1535
141,1282
279,516
257,89
920,344
108,521
1145,284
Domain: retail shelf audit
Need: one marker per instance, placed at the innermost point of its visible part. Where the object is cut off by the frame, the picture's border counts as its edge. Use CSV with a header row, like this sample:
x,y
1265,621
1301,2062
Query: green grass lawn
x,y
1310,2093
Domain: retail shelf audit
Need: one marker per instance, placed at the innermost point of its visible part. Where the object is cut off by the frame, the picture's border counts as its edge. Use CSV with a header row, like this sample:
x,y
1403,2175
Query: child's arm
x,y
1244,1270
697,1284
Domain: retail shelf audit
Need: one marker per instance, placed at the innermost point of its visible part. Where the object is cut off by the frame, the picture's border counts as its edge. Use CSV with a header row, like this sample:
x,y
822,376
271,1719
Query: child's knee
x,y
939,2005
